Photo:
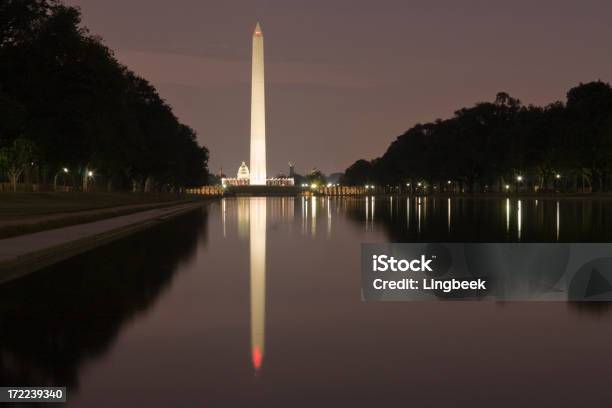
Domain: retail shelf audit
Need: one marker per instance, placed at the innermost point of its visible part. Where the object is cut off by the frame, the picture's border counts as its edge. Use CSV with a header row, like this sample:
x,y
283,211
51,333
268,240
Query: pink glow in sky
x,y
344,78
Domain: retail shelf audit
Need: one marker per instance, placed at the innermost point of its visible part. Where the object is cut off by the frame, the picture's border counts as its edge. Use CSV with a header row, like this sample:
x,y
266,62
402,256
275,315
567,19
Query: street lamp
x,y
65,169
557,176
519,178
90,173
507,186
448,182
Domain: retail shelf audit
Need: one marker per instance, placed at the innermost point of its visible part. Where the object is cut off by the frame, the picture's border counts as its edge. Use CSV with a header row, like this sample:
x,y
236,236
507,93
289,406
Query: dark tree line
x,y
504,146
70,111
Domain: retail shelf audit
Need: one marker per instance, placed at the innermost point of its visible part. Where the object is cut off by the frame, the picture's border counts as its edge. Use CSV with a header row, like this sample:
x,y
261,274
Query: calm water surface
x,y
256,302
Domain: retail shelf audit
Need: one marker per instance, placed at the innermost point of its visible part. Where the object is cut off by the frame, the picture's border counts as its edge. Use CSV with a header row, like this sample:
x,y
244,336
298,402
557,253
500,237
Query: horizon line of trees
x,y
71,114
503,146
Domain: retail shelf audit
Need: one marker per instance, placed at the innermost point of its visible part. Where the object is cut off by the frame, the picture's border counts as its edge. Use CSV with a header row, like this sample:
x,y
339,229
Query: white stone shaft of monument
x,y
258,112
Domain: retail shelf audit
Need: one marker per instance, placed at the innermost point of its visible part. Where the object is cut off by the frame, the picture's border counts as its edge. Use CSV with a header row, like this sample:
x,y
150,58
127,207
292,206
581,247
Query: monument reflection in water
x,y
257,260
252,221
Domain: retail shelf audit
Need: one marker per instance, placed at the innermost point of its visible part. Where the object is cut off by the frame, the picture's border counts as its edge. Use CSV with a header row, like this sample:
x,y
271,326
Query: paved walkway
x,y
38,219
26,253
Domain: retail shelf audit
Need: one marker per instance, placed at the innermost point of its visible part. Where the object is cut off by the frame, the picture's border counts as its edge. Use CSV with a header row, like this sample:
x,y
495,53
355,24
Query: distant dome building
x,y
243,172
243,178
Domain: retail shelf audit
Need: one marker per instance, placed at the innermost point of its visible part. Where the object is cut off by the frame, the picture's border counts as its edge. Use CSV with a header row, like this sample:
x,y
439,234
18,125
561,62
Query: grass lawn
x,y
15,206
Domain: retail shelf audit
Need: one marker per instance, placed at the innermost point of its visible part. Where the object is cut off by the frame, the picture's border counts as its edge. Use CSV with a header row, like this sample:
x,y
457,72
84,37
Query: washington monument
x,y
258,112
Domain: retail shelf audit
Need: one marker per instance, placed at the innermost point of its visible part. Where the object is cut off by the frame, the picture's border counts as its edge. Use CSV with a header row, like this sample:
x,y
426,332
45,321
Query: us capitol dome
x,y
243,172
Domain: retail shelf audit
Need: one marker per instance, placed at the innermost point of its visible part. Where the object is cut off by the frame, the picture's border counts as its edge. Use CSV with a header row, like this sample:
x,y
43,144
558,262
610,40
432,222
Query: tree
x,y
316,177
64,90
491,144
359,173
589,120
15,158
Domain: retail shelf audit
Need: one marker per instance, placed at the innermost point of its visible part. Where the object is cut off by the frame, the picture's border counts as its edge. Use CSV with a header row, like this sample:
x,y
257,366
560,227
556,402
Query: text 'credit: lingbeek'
x,y
497,271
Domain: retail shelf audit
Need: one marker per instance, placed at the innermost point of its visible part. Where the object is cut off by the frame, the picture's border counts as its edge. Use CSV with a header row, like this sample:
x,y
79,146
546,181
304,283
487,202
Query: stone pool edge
x,y
19,265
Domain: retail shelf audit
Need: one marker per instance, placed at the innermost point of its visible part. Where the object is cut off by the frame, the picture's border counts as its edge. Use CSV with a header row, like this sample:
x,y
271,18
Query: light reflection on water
x,y
263,308
487,219
257,264
449,205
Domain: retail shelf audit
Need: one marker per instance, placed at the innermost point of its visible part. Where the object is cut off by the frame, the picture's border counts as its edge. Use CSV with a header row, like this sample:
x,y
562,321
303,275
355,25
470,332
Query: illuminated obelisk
x,y
258,112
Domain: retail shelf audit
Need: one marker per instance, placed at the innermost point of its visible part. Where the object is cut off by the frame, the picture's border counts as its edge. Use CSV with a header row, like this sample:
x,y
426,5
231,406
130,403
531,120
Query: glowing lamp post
x,y
558,183
519,180
86,177
65,171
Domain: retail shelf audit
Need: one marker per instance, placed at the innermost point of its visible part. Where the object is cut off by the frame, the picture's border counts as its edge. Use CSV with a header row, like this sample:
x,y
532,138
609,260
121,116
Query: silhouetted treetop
x,y
64,91
493,145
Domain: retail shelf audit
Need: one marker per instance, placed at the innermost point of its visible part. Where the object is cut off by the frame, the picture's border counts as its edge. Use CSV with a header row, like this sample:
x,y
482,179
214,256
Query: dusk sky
x,y
345,78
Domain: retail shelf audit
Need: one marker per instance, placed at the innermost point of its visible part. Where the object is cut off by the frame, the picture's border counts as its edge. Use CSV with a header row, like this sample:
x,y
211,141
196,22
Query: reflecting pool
x,y
256,302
